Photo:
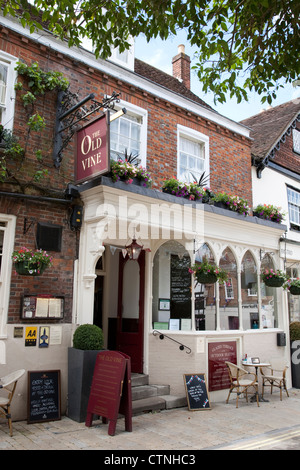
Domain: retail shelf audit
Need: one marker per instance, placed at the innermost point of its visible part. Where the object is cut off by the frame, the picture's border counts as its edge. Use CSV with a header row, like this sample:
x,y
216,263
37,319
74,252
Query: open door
x,y
130,326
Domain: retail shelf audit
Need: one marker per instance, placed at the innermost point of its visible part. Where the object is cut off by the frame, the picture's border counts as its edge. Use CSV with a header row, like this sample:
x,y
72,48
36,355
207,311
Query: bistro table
x,y
256,365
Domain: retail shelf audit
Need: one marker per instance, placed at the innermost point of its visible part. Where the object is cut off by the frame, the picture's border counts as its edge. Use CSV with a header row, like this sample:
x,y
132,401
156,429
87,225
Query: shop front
x,y
144,303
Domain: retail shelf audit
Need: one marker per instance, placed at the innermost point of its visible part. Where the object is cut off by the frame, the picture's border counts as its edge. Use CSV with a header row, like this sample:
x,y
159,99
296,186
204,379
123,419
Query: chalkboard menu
x,y
196,392
43,396
180,287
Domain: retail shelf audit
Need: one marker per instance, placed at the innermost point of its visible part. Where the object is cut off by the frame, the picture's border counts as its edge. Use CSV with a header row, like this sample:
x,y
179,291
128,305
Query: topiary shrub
x,y
295,331
88,337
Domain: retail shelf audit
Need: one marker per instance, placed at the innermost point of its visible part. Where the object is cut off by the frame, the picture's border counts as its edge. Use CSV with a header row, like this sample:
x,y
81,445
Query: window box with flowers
x,y
190,191
269,212
126,171
273,278
206,273
31,263
293,286
232,203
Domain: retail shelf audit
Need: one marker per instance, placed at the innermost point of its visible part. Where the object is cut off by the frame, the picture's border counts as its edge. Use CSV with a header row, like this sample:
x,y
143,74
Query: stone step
x,y
147,398
147,391
139,379
157,403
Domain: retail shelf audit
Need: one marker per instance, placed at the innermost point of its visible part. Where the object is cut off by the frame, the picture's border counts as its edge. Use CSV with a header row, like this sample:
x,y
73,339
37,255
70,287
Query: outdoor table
x,y
256,365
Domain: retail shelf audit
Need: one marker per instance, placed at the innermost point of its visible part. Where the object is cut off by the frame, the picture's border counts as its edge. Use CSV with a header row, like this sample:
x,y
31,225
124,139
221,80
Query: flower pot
x,y
206,278
274,281
222,205
23,269
81,364
294,290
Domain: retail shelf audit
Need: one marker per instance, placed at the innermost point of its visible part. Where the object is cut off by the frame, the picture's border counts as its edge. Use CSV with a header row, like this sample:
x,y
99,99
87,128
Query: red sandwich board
x,y
111,390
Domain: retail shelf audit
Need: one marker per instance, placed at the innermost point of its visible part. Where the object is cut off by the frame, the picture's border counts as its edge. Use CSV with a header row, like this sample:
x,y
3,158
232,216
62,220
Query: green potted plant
x,y
87,343
31,263
206,273
127,169
293,286
232,203
269,212
273,278
295,353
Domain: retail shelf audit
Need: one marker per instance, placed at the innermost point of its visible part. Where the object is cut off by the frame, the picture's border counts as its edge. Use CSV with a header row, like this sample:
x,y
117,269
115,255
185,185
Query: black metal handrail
x,y
181,347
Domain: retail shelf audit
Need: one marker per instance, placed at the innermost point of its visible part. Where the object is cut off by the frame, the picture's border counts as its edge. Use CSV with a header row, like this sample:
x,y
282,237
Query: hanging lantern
x,y
134,249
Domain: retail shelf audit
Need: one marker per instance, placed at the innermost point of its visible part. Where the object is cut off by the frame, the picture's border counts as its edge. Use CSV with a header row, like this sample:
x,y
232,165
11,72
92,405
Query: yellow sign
x,y
30,336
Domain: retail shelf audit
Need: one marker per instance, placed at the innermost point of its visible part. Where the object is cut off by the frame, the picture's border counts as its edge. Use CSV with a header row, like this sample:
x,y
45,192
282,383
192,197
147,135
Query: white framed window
x,y
229,292
7,237
128,133
126,58
193,154
296,140
7,91
294,206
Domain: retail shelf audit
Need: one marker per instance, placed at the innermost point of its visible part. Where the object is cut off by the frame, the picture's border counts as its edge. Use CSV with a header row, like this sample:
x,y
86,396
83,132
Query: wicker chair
x,y
9,383
274,376
240,382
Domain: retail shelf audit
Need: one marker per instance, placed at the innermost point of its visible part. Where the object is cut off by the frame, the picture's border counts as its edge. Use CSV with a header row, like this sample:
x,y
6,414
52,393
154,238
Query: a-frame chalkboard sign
x,y
111,390
196,392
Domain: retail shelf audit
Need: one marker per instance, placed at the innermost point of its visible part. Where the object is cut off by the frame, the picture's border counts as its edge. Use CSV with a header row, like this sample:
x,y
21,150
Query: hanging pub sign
x,y
92,149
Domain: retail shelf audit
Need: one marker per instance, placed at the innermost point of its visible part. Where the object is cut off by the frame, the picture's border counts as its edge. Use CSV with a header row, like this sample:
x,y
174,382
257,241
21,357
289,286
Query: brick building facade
x,y
174,127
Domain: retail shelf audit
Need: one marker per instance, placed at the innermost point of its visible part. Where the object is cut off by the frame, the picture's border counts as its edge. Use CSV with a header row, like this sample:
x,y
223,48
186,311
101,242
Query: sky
x,y
159,54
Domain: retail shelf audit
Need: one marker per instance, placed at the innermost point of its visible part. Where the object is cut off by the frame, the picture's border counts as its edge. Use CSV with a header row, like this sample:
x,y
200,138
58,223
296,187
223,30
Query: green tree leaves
x,y
243,45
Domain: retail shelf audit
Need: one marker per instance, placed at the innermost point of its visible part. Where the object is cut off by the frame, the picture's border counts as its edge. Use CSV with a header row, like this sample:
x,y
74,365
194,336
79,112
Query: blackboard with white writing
x,y
196,392
43,396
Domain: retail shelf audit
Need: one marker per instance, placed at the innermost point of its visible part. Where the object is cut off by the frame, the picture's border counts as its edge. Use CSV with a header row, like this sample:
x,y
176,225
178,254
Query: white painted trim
x,y
9,110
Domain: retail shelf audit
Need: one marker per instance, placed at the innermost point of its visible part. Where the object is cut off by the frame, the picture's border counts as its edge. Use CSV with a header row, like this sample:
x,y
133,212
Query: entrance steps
x,y
147,398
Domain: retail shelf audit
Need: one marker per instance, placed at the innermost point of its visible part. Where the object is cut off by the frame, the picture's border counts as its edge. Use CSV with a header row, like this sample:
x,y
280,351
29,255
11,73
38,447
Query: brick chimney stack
x,y
181,67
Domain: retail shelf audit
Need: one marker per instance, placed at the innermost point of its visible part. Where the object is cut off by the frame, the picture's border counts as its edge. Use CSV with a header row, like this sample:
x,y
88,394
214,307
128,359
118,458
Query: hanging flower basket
x,y
31,263
293,286
295,290
206,273
33,270
206,278
273,278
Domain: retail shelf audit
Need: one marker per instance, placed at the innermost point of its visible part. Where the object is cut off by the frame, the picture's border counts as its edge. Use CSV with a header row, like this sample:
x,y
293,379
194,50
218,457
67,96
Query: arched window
x,y
229,313
205,297
249,292
269,316
171,304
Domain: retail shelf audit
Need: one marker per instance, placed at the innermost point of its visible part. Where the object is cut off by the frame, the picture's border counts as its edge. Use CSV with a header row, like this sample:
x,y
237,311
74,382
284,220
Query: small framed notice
x,y
42,306
164,304
174,324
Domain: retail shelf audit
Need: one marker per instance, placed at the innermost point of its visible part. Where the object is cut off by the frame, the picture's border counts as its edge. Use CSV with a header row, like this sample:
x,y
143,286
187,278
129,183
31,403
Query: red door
x,y
130,327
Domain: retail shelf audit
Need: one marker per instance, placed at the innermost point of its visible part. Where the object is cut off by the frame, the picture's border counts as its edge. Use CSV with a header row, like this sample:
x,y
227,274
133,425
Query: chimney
x,y
181,67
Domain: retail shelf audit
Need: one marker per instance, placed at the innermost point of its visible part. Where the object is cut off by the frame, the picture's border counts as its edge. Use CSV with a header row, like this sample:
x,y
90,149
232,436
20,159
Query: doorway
x,y
130,321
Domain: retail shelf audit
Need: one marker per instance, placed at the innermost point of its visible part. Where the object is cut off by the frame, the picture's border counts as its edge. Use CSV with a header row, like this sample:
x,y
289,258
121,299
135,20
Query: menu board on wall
x,y
180,287
42,306
218,354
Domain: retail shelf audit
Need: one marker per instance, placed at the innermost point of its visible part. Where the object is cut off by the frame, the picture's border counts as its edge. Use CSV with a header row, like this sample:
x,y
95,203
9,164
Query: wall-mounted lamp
x,y
117,115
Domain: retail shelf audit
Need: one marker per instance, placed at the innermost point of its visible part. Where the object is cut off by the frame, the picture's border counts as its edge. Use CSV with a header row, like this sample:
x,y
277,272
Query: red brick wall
x,y
286,156
56,280
230,161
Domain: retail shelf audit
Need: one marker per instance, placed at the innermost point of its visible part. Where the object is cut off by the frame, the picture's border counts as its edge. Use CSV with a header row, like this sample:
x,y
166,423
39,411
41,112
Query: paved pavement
x,y
221,427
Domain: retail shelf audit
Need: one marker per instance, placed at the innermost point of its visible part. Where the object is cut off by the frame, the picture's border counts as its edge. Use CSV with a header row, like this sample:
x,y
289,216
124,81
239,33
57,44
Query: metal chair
x,y
274,376
239,383
9,383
